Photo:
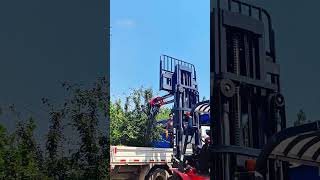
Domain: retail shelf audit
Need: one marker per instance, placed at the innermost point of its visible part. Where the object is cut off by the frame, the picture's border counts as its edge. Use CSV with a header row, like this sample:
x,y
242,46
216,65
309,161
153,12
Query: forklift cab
x,y
201,121
297,148
204,127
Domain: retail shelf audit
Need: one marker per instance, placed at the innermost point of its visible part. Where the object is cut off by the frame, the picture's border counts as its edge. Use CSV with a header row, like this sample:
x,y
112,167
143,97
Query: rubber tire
x,y
157,173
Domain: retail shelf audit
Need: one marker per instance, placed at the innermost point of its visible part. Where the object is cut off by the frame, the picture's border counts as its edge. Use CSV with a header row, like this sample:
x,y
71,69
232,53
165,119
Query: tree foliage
x,y
130,124
20,157
164,113
301,118
82,110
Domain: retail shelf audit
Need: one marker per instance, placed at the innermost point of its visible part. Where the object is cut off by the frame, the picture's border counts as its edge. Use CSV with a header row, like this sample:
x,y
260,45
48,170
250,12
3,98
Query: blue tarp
x,y
304,172
163,143
204,119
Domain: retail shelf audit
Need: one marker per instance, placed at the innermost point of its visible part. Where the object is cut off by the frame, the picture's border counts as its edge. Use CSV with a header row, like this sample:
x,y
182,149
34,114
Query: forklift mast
x,y
179,79
247,104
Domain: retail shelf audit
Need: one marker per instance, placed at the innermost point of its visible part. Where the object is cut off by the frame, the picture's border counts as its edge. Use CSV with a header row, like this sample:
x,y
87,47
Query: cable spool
x,y
227,87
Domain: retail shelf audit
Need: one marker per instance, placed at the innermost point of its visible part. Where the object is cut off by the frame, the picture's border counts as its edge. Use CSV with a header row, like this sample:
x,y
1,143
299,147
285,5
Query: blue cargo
x,y
304,172
204,119
164,142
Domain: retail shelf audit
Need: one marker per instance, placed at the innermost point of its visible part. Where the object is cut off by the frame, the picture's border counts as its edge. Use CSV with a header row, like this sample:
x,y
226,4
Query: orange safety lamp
x,y
250,164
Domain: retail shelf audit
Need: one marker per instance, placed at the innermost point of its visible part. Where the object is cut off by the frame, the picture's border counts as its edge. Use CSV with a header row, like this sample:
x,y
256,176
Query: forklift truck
x,y
248,134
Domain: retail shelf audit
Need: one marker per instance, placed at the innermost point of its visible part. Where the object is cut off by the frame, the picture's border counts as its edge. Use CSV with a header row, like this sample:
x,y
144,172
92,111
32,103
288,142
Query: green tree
x,y
117,122
21,156
164,113
54,165
130,125
27,150
4,143
301,118
83,108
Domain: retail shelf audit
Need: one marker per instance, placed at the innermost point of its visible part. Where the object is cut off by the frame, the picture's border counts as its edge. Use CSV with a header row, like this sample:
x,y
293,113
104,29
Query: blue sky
x,y
143,30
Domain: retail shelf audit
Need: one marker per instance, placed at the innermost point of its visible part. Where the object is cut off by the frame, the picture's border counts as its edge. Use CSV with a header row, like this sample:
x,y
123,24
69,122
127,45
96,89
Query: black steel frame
x,y
246,104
